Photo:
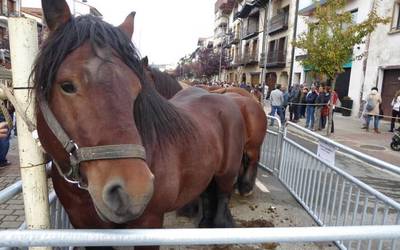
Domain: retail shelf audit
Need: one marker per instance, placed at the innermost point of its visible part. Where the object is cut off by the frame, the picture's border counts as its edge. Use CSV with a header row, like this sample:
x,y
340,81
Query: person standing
x,y
303,102
333,100
276,98
310,108
395,111
317,109
5,140
294,99
374,99
285,100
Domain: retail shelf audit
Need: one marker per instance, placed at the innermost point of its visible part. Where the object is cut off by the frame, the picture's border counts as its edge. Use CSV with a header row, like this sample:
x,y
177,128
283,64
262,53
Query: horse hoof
x,y
248,193
206,223
224,224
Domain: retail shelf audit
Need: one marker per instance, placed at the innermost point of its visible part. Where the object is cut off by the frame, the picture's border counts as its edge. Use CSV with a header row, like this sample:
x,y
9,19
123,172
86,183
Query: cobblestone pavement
x,y
11,212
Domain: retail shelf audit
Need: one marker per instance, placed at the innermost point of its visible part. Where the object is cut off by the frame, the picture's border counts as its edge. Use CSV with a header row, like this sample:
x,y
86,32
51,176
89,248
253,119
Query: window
x,y
396,17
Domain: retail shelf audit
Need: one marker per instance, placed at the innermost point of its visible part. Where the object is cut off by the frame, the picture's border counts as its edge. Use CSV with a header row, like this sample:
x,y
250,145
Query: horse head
x,y
89,76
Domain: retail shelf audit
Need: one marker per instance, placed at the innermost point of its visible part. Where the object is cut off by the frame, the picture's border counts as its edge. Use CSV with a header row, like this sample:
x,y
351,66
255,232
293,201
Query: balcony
x,y
251,32
233,38
275,59
278,23
226,6
250,59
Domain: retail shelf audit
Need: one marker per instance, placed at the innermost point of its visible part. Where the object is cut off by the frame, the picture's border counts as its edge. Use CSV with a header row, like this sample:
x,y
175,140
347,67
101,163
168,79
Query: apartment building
x,y
380,65
257,40
280,29
243,41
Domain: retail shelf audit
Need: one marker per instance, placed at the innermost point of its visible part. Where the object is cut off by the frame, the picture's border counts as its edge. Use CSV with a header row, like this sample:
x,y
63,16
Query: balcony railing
x,y
251,32
275,59
250,58
278,23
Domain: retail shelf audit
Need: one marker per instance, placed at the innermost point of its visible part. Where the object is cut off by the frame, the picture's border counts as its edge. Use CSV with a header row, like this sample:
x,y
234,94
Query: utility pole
x,y
294,39
265,49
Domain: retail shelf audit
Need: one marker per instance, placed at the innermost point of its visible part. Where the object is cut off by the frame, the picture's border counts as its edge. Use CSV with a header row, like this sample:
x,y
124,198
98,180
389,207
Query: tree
x,y
204,62
209,62
330,40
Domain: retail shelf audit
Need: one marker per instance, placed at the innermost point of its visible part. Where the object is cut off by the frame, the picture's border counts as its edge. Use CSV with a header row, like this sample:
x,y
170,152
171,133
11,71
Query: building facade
x,y
376,62
257,41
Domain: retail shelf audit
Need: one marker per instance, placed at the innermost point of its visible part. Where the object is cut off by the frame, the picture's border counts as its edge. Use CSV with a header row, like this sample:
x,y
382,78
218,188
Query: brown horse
x,y
253,115
125,155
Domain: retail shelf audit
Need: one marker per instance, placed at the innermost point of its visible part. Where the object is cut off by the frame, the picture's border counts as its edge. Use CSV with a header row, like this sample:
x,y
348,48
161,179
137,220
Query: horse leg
x,y
209,205
190,210
223,217
247,180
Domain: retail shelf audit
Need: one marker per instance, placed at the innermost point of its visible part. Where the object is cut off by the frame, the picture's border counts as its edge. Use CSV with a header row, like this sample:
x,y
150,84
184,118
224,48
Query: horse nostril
x,y
116,198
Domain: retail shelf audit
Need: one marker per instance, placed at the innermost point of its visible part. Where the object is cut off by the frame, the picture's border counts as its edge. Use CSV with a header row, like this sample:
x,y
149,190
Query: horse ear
x,y
128,25
145,61
56,13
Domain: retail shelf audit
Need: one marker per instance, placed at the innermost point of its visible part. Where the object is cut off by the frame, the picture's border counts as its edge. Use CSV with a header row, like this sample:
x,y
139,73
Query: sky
x,y
165,31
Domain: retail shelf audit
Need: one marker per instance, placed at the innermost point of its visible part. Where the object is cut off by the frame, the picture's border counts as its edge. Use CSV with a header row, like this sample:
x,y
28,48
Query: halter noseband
x,y
78,155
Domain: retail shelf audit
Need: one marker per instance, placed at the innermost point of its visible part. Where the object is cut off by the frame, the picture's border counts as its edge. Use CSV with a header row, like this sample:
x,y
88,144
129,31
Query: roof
x,y
311,8
36,12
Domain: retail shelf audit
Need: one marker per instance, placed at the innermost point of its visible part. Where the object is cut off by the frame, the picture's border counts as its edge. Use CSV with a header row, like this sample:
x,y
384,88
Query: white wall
x,y
384,50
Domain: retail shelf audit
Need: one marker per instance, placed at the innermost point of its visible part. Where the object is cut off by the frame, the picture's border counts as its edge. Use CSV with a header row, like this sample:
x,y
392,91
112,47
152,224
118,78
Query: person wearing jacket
x,y
277,100
374,99
310,108
294,100
395,111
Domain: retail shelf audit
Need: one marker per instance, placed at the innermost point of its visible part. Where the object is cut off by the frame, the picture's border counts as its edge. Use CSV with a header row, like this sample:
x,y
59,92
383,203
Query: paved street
x,y
12,212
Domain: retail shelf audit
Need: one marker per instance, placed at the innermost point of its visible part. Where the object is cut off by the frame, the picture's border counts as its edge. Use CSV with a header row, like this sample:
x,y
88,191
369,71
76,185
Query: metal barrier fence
x,y
353,214
271,148
330,195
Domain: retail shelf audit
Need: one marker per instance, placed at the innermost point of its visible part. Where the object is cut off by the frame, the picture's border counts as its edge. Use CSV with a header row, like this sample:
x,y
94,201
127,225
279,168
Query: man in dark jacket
x,y
294,99
310,109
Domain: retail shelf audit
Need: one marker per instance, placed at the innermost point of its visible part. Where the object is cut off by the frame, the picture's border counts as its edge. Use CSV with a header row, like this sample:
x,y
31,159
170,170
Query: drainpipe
x,y
294,39
24,47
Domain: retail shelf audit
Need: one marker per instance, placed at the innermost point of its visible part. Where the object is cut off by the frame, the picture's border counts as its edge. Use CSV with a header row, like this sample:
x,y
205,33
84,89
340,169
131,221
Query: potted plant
x,y
347,105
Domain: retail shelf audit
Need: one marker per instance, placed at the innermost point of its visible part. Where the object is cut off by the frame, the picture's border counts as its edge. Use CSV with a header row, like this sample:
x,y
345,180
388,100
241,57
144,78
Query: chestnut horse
x,y
253,115
125,155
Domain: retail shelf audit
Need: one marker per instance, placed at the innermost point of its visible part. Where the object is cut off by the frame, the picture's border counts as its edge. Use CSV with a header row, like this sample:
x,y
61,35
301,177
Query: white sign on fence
x,y
326,153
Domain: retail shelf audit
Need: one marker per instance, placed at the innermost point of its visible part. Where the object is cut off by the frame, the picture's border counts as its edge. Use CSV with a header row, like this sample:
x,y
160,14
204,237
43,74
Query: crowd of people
x,y
312,103
315,102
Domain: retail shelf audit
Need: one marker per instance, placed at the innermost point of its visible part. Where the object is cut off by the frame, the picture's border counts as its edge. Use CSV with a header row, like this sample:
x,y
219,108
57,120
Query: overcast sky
x,y
164,30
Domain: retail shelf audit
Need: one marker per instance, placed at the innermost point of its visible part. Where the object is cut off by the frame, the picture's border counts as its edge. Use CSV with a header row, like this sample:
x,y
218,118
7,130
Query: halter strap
x,y
78,155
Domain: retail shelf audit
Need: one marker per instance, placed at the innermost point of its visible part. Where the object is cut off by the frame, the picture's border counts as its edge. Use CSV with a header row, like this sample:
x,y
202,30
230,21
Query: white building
x,y
381,65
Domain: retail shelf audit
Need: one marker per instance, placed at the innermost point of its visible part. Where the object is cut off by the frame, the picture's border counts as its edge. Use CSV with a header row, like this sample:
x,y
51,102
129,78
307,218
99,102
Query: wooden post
x,y
24,48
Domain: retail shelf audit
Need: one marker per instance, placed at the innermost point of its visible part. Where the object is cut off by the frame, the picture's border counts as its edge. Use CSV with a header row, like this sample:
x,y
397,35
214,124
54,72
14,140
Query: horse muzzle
x,y
117,205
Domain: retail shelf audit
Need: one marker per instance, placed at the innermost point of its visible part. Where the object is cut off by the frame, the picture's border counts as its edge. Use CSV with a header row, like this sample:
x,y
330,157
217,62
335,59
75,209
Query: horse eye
x,y
68,87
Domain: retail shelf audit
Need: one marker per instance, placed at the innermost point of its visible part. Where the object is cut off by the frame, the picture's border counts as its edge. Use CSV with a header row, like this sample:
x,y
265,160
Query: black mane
x,y
164,83
157,120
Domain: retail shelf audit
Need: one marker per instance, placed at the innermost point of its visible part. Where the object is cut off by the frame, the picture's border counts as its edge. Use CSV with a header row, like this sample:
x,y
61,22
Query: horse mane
x,y
157,120
164,83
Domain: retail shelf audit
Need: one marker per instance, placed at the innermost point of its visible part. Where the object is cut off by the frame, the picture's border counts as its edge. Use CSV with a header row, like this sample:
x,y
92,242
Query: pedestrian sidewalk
x,y
12,212
348,132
